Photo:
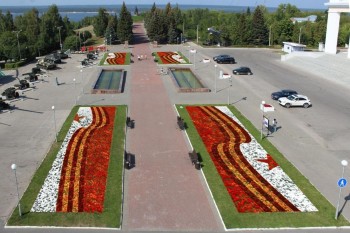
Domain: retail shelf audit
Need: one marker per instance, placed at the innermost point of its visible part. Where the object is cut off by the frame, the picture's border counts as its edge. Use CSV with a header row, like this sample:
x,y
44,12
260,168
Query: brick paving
x,y
163,191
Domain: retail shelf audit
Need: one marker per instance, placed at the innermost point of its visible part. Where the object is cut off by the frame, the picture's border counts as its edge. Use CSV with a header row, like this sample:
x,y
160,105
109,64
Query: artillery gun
x,y
10,93
4,105
31,77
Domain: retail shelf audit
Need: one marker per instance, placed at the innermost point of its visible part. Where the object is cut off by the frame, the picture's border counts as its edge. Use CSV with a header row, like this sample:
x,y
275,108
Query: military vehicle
x,y
10,93
62,55
36,70
42,64
31,77
23,84
4,105
53,58
91,56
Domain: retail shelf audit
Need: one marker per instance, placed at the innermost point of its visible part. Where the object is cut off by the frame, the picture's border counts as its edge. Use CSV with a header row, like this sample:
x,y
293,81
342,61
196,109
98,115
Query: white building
x,y
290,47
335,7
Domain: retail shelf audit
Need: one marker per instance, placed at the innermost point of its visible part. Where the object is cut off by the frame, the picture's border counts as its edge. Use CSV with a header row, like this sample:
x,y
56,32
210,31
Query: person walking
x,y
274,125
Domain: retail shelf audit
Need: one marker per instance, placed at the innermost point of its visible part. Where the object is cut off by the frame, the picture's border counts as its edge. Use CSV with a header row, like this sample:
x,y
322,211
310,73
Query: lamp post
x,y
300,34
197,34
270,36
228,90
262,122
81,75
215,76
344,163
75,91
14,167
54,121
19,49
59,32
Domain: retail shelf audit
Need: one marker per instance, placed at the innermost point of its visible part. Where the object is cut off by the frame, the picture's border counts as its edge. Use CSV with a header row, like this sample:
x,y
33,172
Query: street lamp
x,y
228,90
59,31
215,76
262,122
54,119
81,75
270,36
75,91
14,167
300,34
344,163
19,49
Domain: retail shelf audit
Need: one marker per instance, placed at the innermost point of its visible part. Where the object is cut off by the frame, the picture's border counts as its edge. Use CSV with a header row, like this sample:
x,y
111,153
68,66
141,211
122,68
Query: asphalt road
x,y
313,139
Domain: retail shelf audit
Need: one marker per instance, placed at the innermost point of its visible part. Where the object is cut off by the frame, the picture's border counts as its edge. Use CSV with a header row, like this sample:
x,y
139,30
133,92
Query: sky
x,y
314,4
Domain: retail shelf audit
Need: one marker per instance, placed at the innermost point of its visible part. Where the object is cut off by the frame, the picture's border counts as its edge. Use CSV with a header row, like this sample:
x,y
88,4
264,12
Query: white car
x,y
295,100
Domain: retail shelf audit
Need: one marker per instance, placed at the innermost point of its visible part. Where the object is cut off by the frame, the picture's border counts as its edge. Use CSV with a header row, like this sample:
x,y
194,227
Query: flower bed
x,y
254,181
115,59
171,58
77,179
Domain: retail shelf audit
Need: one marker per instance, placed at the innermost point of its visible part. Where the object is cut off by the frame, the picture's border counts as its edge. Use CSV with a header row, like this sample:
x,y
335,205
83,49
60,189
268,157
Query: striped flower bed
x,y
77,179
255,182
171,58
115,59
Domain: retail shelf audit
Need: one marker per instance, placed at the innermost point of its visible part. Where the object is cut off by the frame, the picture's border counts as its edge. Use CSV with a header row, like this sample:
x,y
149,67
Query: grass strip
x,y
231,217
111,215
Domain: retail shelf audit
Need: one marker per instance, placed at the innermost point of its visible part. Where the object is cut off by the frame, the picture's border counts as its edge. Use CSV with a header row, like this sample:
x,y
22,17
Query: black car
x,y
282,93
242,70
226,60
220,56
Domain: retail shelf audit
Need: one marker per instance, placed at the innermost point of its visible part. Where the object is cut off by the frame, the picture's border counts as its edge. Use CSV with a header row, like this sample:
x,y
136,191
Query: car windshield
x,y
291,97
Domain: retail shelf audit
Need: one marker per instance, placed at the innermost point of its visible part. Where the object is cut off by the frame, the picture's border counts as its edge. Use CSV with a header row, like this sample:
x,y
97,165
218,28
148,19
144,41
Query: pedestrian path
x,y
163,191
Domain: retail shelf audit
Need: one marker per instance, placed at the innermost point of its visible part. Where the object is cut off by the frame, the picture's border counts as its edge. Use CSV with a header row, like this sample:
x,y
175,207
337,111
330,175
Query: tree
x,y
136,11
101,22
259,29
6,22
124,24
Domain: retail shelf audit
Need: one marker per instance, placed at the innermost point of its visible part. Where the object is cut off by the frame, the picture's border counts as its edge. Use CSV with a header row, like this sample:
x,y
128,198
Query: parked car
x,y
226,60
242,70
282,93
295,101
220,56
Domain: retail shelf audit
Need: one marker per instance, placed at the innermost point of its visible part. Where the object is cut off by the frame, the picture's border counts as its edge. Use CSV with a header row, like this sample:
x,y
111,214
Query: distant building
x,y
290,47
310,18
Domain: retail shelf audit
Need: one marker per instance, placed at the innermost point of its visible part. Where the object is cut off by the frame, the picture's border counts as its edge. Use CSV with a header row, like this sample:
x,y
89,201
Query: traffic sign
x,y
342,182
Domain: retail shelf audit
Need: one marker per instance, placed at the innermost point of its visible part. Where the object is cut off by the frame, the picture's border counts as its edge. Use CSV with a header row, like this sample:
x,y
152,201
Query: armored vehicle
x,y
42,64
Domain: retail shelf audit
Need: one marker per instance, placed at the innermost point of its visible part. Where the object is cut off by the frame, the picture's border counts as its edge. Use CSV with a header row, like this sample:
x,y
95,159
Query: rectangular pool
x,y
186,80
109,82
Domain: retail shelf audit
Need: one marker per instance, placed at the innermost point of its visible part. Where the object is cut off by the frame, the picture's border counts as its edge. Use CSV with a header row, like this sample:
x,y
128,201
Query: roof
x,y
311,18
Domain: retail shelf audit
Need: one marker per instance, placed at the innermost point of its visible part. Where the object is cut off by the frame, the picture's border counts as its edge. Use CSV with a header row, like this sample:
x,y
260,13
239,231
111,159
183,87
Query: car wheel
x,y
306,105
250,73
287,105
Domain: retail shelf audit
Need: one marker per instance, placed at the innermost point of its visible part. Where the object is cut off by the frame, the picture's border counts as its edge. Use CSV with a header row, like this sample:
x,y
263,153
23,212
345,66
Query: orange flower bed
x,y
222,137
117,59
167,57
85,166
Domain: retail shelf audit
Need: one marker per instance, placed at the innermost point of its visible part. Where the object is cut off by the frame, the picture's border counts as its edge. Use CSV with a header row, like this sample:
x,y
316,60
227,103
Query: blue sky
x,y
316,4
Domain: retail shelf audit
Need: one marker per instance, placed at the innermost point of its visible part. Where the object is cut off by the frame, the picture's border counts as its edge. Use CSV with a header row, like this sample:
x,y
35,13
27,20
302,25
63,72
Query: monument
x,y
335,7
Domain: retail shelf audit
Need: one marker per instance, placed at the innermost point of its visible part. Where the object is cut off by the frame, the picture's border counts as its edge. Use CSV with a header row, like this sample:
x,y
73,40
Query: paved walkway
x,y
163,191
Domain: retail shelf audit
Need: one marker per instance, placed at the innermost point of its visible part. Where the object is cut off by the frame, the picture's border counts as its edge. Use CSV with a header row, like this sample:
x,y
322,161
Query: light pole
x,y
14,167
344,163
270,37
81,75
228,90
19,49
197,34
54,121
215,76
300,34
262,122
59,32
75,91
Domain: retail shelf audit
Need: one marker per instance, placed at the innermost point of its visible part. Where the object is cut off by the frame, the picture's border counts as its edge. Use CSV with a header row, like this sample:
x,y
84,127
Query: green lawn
x,y
111,216
232,218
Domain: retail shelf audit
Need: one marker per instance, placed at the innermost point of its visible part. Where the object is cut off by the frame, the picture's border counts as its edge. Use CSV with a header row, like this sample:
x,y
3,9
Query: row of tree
x,y
30,35
260,28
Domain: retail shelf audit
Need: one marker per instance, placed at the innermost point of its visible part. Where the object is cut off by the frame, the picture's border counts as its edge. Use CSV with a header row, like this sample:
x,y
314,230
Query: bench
x,y
194,159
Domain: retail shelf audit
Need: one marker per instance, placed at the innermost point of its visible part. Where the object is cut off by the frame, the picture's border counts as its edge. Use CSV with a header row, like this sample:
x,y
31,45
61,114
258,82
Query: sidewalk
x,y
163,191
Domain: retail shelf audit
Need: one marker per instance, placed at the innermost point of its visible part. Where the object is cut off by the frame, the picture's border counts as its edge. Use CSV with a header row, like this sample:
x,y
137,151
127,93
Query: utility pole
x,y
197,33
19,49
59,31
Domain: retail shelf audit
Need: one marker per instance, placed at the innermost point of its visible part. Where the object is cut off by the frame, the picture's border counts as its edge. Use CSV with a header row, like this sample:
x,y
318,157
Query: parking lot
x,y
313,139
